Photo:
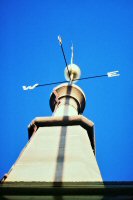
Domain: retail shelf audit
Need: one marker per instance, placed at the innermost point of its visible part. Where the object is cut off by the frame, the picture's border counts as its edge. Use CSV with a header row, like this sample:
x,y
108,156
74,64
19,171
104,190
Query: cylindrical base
x,y
67,100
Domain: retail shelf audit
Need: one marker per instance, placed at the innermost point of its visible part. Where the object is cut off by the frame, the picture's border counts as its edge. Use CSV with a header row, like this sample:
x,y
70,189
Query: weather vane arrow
x,y
60,40
72,72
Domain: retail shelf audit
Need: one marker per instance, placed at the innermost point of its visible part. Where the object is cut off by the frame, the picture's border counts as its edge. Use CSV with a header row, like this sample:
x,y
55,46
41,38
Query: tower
x,y
61,148
59,160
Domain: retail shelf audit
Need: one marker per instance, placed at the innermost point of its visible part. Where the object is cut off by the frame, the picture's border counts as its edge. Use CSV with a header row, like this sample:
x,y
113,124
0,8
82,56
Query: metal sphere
x,y
73,74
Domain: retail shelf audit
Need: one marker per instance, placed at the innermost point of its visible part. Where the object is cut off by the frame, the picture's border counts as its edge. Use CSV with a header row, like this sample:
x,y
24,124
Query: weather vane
x,y
72,72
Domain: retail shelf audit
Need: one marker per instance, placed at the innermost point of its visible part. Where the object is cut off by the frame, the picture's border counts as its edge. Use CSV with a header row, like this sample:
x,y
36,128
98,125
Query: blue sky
x,y
102,34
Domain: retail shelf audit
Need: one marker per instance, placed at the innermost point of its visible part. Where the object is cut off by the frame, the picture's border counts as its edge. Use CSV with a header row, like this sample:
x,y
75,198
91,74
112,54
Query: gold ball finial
x,y
72,72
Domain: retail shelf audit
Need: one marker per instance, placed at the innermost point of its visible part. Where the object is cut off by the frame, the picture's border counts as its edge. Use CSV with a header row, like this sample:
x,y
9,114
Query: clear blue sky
x,y
102,34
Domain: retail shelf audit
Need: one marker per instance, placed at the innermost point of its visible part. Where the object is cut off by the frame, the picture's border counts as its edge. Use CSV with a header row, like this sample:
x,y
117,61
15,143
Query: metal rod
x,y
80,79
60,41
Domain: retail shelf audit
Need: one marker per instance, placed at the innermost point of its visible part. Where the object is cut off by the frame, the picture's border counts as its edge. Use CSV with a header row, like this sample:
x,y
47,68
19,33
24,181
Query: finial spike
x,y
72,55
